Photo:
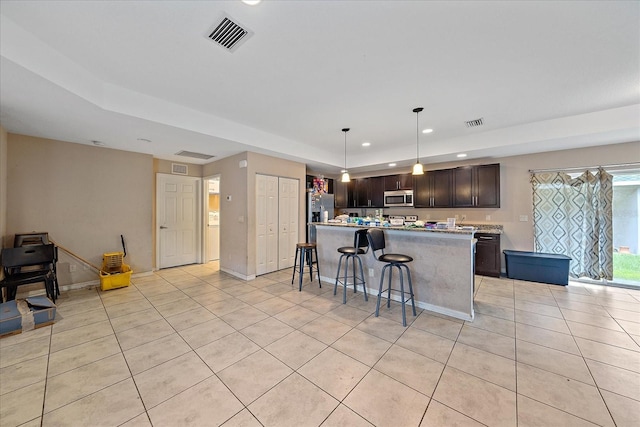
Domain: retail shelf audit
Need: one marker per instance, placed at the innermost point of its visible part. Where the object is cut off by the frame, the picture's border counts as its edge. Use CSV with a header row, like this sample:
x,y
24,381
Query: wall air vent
x,y
178,169
194,155
229,34
474,123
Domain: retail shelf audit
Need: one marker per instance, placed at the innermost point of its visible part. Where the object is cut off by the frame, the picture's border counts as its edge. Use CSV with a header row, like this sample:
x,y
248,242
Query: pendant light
x,y
417,168
345,173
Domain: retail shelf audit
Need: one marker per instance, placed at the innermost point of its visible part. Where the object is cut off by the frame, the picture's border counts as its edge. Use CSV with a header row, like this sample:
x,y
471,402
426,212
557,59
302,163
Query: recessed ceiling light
x,y
366,144
461,155
427,131
251,2
391,165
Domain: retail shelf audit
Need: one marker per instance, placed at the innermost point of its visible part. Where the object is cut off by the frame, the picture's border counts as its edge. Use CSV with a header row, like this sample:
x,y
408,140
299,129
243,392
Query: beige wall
x,y
234,257
237,217
85,197
515,192
3,186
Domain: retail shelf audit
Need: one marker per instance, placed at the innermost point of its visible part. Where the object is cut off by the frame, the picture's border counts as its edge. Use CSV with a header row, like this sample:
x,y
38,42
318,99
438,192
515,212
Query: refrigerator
x,y
317,205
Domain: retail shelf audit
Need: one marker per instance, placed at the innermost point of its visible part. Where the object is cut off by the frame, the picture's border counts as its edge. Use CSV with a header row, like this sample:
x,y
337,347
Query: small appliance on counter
x,y
395,220
410,219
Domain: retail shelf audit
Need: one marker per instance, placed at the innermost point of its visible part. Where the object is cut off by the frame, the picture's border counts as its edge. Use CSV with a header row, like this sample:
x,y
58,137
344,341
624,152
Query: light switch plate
x,y
524,218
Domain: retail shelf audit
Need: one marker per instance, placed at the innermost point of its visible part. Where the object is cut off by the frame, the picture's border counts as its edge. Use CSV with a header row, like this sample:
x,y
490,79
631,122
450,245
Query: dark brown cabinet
x,y
488,254
433,189
398,182
477,186
340,190
369,192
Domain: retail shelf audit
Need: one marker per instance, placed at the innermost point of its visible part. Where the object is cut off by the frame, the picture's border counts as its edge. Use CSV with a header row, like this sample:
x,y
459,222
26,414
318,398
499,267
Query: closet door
x,y
266,224
288,198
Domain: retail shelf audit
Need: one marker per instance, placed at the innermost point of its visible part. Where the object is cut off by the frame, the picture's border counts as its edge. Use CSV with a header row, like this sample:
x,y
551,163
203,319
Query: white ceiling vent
x,y
195,155
178,169
474,123
229,34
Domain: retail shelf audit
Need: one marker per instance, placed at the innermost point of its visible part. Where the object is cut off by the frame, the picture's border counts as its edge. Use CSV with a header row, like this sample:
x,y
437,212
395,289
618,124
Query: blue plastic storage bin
x,y
537,267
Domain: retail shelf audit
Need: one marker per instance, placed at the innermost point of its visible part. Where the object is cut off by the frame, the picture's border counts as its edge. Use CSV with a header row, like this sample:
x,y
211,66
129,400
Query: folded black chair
x,y
25,265
25,239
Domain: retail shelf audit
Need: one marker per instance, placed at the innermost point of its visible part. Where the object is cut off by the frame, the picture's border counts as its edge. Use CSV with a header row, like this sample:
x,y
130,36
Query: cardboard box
x,y
10,319
23,315
43,309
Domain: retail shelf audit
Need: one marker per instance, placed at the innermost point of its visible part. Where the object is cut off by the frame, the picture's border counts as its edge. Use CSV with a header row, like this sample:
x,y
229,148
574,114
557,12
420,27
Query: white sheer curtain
x,y
573,217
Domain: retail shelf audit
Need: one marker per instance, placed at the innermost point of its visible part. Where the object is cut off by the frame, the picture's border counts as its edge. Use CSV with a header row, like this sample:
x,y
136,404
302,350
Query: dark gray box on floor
x,y
537,267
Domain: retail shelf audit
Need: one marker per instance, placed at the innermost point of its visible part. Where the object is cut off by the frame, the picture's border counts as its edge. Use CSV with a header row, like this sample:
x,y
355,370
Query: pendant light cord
x,y
417,111
345,130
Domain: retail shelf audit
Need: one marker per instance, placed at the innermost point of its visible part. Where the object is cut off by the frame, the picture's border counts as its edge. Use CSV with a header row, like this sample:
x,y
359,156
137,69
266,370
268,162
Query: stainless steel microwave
x,y
398,198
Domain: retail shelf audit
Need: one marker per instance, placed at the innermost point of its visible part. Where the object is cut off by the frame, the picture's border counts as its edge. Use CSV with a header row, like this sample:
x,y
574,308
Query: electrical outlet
x,y
457,217
487,218
464,217
72,268
371,272
524,218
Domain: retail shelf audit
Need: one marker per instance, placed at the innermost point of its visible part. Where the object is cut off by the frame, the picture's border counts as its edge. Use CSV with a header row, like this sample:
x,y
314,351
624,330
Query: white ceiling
x,y
543,75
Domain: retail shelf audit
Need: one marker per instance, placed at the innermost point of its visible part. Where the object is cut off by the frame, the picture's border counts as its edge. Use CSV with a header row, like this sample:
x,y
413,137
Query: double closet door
x,y
277,202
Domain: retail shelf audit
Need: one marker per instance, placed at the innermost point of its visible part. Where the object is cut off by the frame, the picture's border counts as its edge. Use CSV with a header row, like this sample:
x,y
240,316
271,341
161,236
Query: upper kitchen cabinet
x,y
398,182
477,186
433,189
340,193
369,192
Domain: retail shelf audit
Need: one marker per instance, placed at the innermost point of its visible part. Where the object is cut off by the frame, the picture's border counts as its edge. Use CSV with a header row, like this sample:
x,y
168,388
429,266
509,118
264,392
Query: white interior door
x,y
177,220
266,224
288,221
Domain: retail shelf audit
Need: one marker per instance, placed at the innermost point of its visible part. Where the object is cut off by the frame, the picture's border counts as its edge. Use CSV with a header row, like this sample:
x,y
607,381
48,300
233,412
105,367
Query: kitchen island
x,y
442,269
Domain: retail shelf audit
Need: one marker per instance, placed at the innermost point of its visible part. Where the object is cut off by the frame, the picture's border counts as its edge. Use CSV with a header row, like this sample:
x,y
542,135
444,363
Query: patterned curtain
x,y
573,217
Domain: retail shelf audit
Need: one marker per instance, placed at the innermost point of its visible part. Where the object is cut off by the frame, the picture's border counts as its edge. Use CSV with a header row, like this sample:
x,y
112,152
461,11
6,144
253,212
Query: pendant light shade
x,y
417,168
345,173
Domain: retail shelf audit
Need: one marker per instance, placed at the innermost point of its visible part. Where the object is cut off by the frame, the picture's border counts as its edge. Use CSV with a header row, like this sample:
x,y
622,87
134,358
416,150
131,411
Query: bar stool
x,y
377,243
352,253
307,252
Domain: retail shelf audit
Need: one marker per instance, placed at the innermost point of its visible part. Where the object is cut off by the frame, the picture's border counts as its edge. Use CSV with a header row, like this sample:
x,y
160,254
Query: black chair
x,y
25,239
306,252
25,265
352,253
377,243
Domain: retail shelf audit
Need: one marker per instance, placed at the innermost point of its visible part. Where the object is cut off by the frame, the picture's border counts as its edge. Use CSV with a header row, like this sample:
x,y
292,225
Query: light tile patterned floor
x,y
193,346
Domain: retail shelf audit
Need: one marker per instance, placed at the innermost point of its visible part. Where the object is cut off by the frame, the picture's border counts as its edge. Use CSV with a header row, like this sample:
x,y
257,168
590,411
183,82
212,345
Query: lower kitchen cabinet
x,y
488,254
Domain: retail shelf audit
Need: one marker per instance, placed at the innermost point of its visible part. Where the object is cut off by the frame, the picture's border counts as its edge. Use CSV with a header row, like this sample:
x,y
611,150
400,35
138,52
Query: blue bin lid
x,y
535,254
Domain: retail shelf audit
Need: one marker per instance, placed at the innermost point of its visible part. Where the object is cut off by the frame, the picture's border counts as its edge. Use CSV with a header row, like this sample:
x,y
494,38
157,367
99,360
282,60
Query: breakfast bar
x,y
442,267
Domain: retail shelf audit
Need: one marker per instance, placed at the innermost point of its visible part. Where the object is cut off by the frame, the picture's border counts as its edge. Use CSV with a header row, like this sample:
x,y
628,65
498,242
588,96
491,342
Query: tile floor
x,y
194,346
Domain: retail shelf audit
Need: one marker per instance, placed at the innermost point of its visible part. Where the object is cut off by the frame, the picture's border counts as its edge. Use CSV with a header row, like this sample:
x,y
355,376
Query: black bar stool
x,y
306,252
352,253
377,243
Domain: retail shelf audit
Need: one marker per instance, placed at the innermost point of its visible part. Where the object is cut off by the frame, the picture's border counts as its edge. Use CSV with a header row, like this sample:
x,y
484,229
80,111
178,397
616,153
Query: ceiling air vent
x,y
474,123
194,155
178,169
229,34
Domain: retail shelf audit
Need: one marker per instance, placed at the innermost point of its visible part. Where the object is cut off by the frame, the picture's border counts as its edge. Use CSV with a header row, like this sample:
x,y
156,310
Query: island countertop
x,y
400,228
442,268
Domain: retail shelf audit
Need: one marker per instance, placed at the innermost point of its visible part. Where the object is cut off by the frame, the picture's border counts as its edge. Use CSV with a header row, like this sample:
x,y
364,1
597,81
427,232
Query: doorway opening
x,y
212,233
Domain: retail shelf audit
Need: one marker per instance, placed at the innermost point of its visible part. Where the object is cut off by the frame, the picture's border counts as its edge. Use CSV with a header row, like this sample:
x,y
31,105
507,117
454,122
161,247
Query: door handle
x,y
162,227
